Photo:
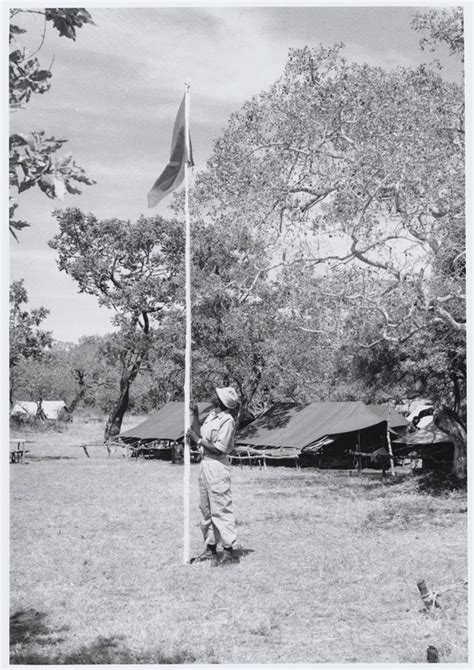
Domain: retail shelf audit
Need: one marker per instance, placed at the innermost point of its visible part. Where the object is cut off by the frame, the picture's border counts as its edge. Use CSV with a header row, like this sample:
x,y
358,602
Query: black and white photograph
x,y
235,371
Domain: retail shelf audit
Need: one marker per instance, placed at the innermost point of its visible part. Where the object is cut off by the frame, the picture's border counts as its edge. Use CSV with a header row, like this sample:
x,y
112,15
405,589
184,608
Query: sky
x,y
116,90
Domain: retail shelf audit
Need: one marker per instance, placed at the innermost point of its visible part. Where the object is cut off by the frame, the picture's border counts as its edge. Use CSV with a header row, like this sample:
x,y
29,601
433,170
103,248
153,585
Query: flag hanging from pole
x,y
173,174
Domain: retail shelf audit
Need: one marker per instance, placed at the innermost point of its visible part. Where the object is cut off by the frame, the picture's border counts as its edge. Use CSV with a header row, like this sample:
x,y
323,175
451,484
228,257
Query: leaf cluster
x,y
445,26
31,155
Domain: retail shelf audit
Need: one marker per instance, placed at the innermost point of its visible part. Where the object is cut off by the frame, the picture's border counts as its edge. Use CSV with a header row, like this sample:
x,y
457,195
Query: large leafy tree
x,y
133,269
28,341
33,155
353,163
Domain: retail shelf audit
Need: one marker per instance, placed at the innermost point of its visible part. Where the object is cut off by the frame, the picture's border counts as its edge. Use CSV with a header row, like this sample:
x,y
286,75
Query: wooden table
x,y
17,450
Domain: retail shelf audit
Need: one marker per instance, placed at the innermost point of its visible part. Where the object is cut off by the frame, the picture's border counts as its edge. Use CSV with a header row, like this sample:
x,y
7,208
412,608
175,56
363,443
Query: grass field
x,y
330,572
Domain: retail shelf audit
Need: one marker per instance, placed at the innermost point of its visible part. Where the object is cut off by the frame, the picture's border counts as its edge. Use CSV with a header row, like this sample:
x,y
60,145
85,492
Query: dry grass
x,y
96,546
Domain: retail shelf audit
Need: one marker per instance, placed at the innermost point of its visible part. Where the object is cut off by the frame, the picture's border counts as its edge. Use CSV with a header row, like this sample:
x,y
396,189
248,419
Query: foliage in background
x,y
28,342
32,155
74,373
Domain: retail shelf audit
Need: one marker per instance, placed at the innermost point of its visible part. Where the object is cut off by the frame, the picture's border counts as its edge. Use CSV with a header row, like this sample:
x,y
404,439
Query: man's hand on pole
x,y
192,435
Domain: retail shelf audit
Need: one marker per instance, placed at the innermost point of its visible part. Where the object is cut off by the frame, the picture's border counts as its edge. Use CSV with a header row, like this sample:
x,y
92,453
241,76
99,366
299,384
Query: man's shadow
x,y
241,551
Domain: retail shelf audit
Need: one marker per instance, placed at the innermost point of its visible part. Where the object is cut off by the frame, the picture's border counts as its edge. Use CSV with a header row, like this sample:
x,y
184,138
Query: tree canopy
x,y
346,163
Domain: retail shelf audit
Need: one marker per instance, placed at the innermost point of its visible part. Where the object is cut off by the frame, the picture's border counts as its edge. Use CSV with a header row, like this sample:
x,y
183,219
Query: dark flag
x,y
173,174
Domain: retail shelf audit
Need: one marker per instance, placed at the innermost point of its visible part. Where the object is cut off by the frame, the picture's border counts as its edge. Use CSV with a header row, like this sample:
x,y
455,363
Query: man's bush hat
x,y
228,396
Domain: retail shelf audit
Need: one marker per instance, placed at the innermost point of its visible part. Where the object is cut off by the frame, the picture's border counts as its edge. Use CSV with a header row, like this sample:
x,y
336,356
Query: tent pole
x,y
389,442
359,458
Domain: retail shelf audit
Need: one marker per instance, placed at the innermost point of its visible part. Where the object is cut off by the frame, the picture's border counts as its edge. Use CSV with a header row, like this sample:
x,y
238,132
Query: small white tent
x,y
52,409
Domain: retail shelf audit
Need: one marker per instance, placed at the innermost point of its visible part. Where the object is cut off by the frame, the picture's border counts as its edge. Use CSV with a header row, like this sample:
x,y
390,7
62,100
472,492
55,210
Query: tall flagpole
x,y
187,357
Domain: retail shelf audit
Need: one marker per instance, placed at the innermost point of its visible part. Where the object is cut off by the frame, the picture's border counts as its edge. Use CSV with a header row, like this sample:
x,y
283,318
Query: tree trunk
x,y
448,421
79,375
76,400
12,385
114,422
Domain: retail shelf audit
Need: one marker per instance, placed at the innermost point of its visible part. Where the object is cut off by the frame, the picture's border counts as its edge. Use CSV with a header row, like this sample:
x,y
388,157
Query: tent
x,y
161,431
421,410
52,409
323,433
432,445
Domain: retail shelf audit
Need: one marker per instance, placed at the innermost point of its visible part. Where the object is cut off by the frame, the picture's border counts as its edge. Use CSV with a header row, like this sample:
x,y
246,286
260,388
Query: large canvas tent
x,y
162,429
322,433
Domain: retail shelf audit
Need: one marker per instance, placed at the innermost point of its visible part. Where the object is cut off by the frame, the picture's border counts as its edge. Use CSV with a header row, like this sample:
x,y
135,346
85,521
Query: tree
x,y
133,269
342,151
32,155
346,164
27,340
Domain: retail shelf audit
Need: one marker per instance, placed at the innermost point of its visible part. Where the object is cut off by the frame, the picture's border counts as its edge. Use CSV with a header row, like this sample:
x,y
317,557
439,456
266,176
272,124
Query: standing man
x,y
216,440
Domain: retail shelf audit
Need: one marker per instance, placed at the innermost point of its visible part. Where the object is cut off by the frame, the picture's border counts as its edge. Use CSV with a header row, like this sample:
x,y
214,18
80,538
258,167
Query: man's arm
x,y
225,439
209,446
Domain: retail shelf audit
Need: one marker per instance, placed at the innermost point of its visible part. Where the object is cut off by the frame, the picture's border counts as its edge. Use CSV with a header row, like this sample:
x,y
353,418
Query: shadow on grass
x,y
29,632
30,625
439,483
381,483
434,483
52,458
240,551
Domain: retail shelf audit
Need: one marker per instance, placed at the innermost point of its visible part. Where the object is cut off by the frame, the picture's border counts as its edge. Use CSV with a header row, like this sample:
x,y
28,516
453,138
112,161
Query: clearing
x,y
330,575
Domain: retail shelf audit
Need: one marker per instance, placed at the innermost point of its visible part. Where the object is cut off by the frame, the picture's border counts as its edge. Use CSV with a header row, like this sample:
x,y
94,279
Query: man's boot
x,y
208,554
227,557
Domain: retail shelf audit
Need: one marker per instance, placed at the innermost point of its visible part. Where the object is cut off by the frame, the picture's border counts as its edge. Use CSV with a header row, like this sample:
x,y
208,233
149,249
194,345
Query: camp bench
x,y
282,454
249,456
263,456
18,450
149,449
